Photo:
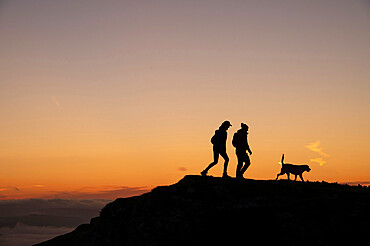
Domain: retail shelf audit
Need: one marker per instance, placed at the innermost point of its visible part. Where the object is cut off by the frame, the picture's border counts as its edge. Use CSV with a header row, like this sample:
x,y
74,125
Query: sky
x,y
104,99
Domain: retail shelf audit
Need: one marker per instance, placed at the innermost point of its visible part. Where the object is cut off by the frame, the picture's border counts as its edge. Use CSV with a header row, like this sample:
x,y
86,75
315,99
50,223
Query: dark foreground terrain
x,y
215,211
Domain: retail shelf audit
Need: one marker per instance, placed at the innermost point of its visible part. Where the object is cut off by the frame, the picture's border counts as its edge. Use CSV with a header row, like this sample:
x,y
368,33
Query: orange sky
x,y
98,97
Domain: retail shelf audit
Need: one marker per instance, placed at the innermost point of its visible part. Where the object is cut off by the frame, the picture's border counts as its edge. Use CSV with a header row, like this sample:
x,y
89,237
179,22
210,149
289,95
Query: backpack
x,y
237,139
214,138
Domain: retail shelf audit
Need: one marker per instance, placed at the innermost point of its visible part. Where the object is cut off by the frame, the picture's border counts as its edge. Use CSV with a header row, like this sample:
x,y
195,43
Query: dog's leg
x,y
301,177
295,177
278,176
287,174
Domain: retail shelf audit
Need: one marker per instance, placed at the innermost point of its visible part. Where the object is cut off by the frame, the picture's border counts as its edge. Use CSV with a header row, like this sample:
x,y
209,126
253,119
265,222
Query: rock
x,y
208,210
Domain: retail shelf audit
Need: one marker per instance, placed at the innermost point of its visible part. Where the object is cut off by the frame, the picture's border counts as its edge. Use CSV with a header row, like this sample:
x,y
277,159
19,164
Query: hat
x,y
244,125
226,123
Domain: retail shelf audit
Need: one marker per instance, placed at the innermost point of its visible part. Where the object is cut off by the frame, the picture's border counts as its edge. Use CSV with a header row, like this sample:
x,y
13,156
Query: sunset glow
x,y
105,99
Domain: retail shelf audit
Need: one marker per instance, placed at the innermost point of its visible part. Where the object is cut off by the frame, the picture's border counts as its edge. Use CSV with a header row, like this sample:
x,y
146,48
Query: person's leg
x,y
247,163
215,161
239,166
226,163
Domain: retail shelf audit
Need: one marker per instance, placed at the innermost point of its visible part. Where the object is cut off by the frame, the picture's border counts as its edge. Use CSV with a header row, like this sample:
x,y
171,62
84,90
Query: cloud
x,y
316,148
101,192
107,192
21,187
55,101
26,207
22,235
30,221
182,169
10,188
319,160
19,192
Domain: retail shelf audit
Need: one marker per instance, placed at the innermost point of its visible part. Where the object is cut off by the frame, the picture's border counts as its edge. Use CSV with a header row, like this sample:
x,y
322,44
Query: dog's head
x,y
307,168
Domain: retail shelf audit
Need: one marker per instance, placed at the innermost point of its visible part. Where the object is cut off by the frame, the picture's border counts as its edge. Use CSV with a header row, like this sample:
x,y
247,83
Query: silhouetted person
x,y
241,145
219,148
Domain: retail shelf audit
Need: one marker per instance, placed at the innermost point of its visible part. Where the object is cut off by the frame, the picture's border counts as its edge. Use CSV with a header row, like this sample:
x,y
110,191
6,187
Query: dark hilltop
x,y
222,211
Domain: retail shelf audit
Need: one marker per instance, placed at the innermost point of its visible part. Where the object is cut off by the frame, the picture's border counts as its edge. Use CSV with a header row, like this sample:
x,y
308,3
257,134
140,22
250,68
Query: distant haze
x,y
31,221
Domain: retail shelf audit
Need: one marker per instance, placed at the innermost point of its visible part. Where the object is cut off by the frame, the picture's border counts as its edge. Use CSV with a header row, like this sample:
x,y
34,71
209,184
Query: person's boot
x,y
239,176
225,175
203,173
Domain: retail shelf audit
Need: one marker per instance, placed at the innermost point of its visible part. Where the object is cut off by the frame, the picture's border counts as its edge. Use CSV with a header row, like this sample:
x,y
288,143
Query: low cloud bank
x,y
25,235
30,221
107,192
25,207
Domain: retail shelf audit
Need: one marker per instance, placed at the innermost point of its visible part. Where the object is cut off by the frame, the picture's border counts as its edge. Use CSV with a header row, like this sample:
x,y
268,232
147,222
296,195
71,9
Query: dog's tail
x,y
282,160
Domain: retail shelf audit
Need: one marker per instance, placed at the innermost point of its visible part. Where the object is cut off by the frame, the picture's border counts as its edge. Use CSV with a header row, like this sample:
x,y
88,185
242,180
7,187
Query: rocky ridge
x,y
208,210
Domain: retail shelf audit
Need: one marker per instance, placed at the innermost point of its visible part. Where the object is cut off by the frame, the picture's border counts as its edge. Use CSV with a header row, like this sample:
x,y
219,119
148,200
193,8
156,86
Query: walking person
x,y
240,142
219,148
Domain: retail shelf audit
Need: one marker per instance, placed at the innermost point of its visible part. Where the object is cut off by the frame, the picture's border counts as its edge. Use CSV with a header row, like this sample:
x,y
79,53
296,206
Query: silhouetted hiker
x,y
241,145
219,148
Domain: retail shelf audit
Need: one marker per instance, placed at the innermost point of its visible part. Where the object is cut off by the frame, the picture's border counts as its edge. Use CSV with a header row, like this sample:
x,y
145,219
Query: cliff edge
x,y
209,210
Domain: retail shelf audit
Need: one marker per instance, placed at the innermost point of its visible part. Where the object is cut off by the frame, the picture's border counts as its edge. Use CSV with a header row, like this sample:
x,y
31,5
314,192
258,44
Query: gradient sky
x,y
99,96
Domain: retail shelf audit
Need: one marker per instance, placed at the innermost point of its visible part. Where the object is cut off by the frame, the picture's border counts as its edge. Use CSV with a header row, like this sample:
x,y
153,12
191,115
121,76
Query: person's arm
x,y
248,148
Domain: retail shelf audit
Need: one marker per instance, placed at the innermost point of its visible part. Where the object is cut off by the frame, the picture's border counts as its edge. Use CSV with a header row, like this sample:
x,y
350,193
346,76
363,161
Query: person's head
x,y
244,126
225,125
